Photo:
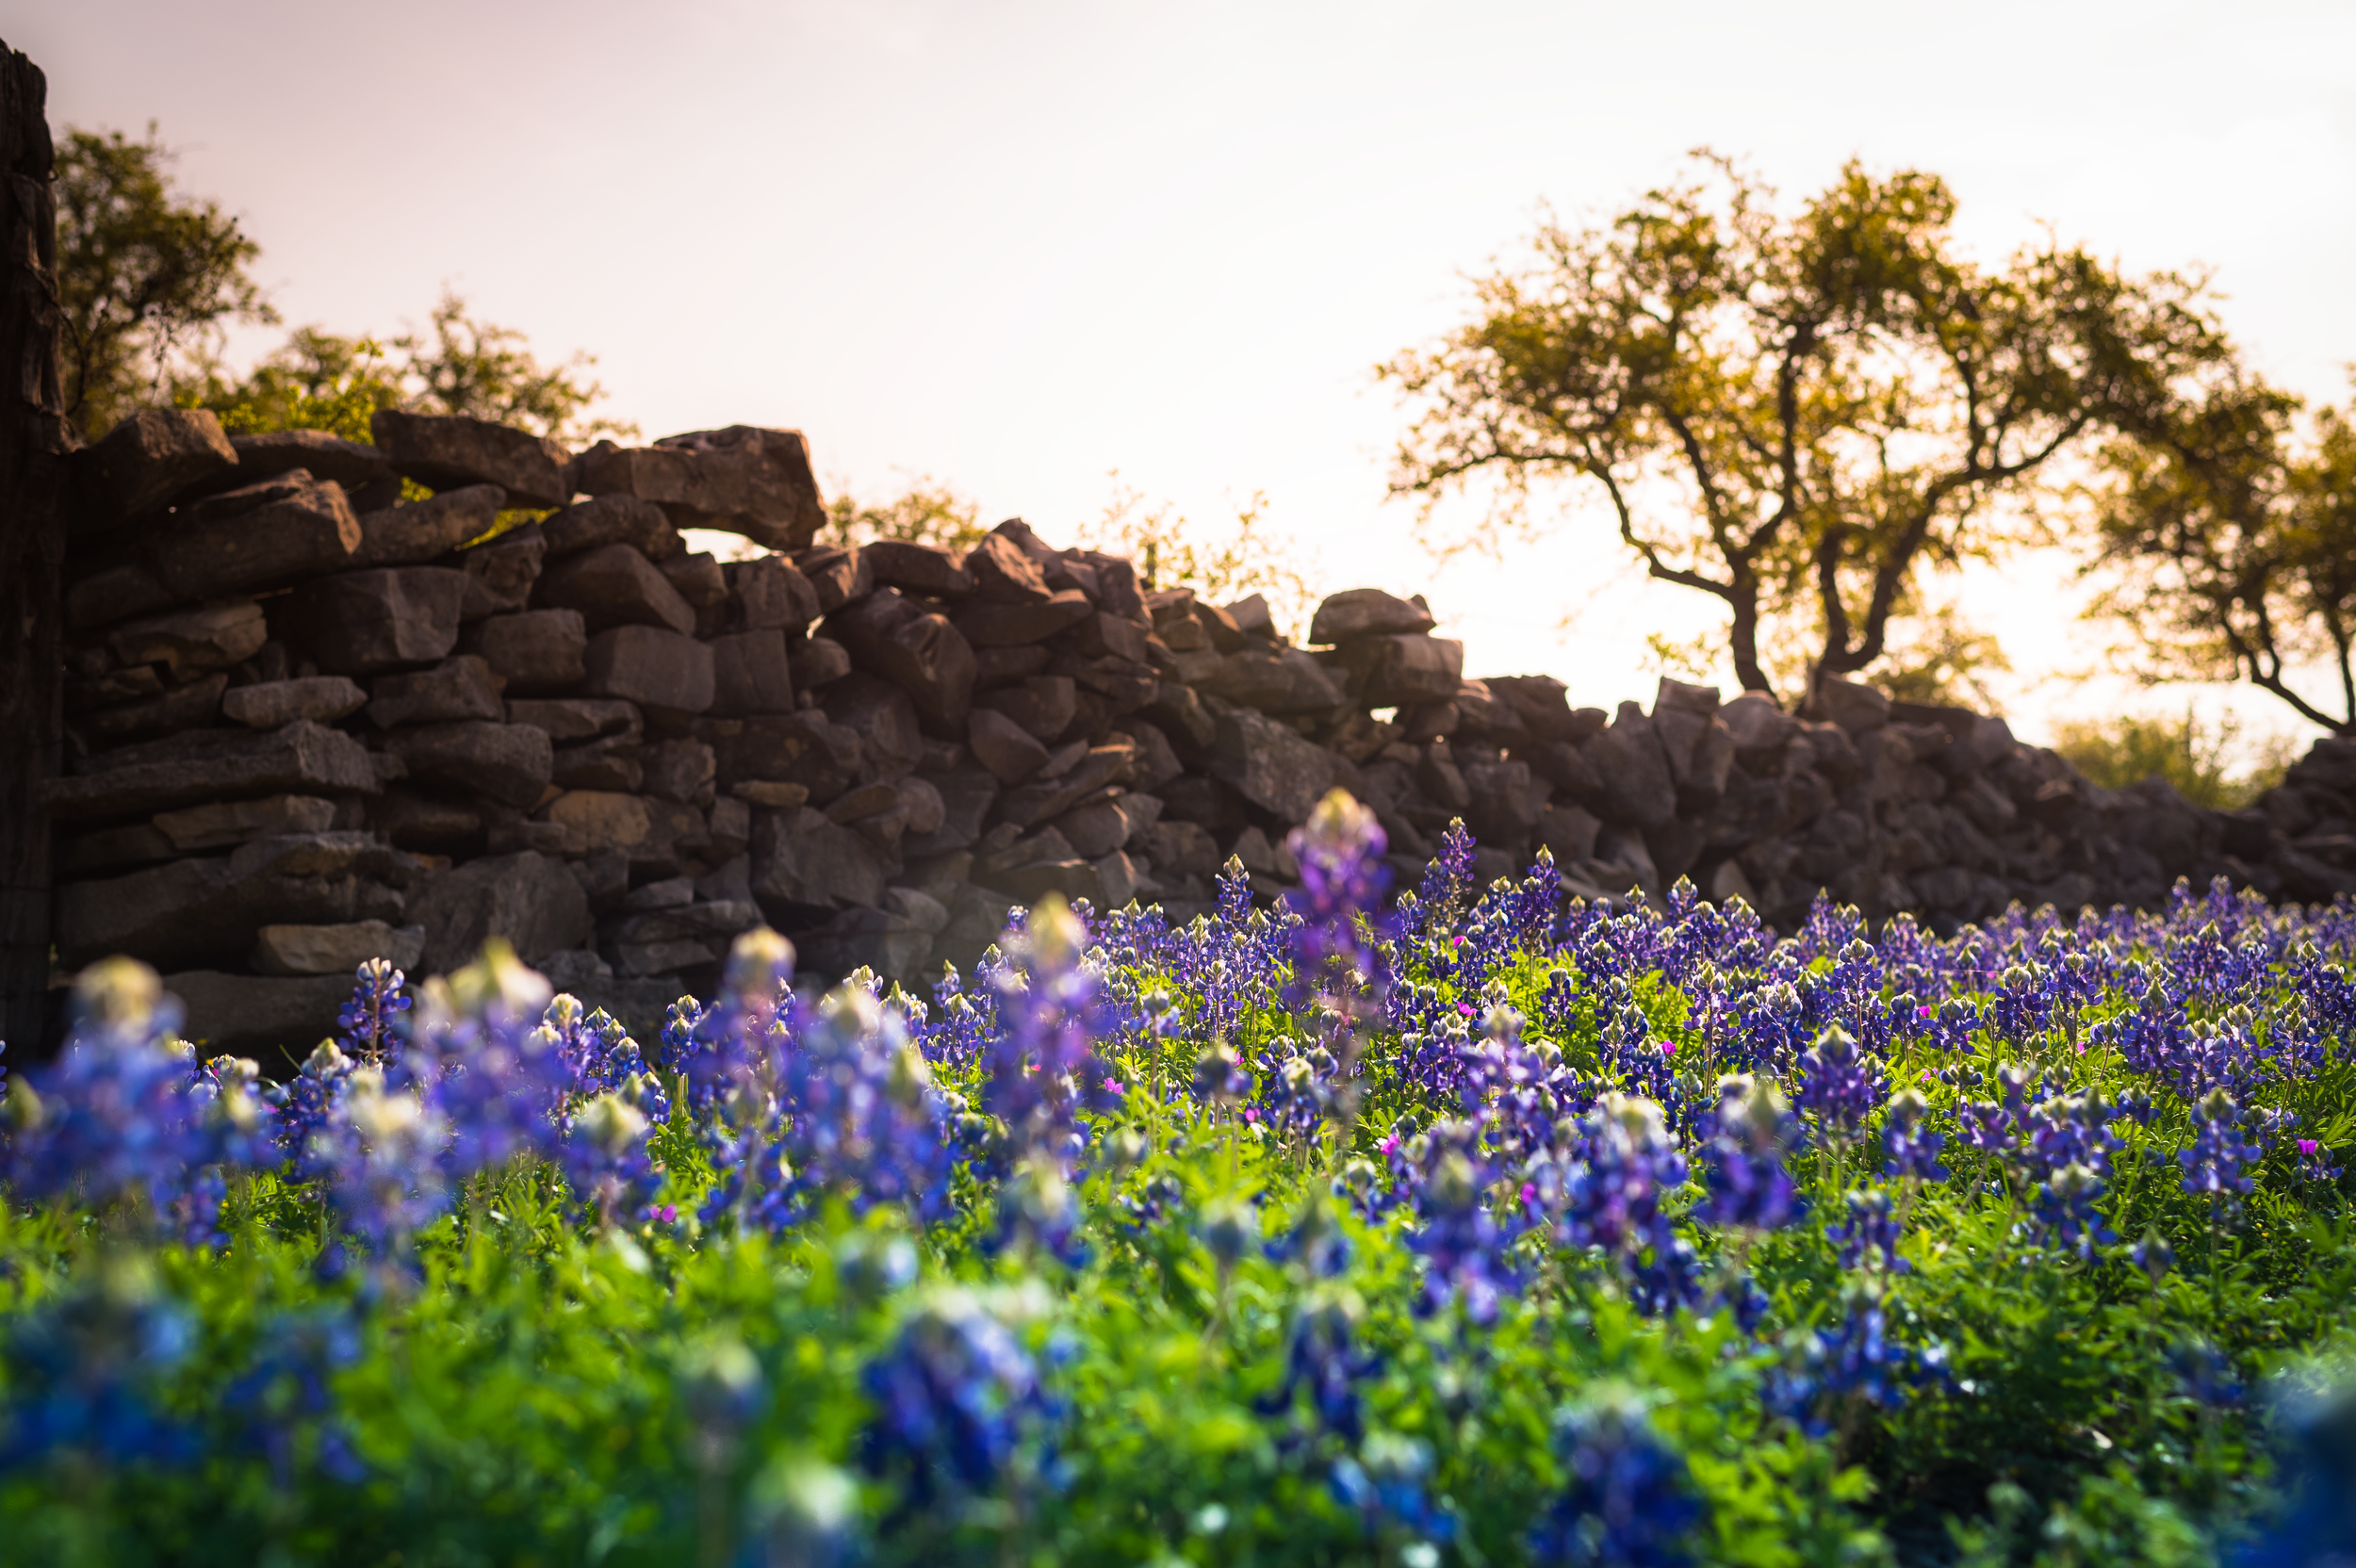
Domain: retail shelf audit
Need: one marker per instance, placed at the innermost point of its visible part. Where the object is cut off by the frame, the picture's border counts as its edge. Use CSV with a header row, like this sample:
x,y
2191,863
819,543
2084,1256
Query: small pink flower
x,y
1465,1008
1390,1146
2307,1146
1922,1012
1252,1113
1114,1086
1668,1047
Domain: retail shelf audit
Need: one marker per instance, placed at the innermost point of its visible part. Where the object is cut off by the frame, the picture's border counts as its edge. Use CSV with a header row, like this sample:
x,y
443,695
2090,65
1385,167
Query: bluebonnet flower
x,y
1447,883
1343,878
1388,1484
600,1054
387,1182
1869,1238
1615,1201
366,1022
867,1124
604,1154
1749,1187
308,1104
1044,1064
2215,1162
2065,1209
1853,1359
1461,1243
83,1370
125,1111
493,1078
953,1397
282,1400
1324,1365
1838,1087
1628,1500
1910,1147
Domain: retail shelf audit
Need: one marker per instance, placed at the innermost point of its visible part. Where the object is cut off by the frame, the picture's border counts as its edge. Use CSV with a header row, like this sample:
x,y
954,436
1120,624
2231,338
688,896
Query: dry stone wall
x,y
311,722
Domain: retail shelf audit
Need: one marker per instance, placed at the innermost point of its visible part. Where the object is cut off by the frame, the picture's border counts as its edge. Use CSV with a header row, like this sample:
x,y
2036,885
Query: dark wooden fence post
x,y
34,440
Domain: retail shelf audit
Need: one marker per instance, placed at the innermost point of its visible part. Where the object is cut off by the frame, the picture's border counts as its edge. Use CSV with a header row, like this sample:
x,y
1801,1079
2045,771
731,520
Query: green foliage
x,y
2228,530
1221,566
319,380
2203,761
926,513
146,275
1795,413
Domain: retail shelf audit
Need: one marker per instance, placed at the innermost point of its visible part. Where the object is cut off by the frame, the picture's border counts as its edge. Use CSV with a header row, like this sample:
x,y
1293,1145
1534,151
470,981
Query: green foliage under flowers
x,y
542,1389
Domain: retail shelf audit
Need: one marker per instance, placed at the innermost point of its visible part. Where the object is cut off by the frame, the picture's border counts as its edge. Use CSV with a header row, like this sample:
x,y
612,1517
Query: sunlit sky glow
x,y
1019,246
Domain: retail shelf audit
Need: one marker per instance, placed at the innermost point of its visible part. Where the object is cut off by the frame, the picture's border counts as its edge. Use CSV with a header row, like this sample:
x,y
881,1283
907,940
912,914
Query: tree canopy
x,y
1795,414
149,277
2228,528
146,277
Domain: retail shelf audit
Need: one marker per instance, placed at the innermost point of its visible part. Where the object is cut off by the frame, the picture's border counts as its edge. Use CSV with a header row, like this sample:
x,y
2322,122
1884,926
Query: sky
x,y
1024,247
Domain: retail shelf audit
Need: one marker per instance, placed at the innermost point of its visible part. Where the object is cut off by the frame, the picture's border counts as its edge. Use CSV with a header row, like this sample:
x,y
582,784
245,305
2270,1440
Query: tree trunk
x,y
34,441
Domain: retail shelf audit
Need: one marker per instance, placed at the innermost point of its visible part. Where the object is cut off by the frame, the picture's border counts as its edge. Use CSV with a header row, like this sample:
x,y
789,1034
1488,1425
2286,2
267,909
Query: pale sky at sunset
x,y
1016,246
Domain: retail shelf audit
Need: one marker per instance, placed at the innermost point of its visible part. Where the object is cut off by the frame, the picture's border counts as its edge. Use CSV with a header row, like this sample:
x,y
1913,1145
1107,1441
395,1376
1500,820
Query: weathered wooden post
x,y
34,440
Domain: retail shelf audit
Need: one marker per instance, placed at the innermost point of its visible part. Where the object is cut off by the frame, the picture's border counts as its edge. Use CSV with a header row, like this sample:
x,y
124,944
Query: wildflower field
x,y
1466,1226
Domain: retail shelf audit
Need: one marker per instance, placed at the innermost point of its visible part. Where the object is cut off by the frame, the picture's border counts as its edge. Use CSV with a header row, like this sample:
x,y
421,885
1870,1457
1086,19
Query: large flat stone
x,y
354,464
751,674
768,592
577,718
741,480
276,1020
509,763
801,861
300,758
261,535
612,520
529,899
271,704
423,530
358,623
806,748
1368,613
150,456
454,690
219,824
1272,765
444,452
614,585
192,641
918,651
197,913
335,949
536,650
652,667
1390,672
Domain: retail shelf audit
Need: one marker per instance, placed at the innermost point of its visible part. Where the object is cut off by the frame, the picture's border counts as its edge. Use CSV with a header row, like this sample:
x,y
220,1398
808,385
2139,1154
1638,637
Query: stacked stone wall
x,y
322,707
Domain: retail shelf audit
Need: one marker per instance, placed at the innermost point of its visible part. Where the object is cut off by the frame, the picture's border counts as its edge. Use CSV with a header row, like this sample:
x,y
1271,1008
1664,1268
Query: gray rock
x,y
920,652
802,861
1541,702
819,662
258,536
1756,726
1505,801
1271,765
111,594
456,689
612,520
614,585
1682,696
531,901
967,794
189,706
509,763
426,824
1158,760
1368,613
501,574
837,574
1636,787
300,758
616,762
768,593
190,913
1043,704
986,621
444,452
751,674
883,717
188,642
278,1020
577,718
406,535
1011,753
1388,672
219,824
1104,635
358,623
276,703
1568,832
1277,680
1183,716
1482,718
1852,705
918,568
698,580
1438,777
337,950
1043,799
740,480
1003,571
354,464
1251,616
804,749
680,770
151,455
535,650
651,667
